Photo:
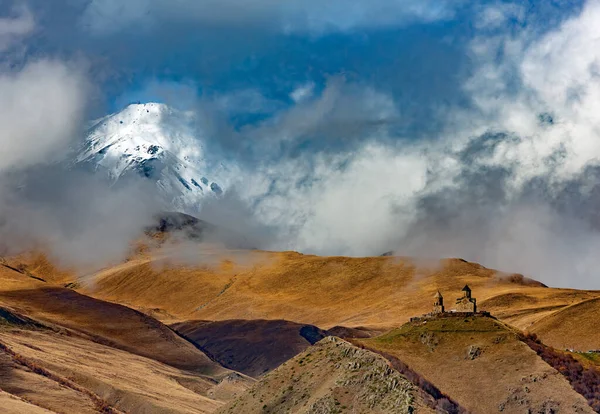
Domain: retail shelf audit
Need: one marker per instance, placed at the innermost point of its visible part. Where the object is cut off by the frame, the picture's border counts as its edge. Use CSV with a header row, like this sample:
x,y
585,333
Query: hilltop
x,y
333,377
375,292
481,363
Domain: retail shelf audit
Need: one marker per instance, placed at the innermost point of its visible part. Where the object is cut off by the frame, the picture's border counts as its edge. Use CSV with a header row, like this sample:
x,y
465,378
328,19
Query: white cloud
x,y
15,27
343,203
358,193
293,16
555,75
459,196
303,92
341,112
496,15
78,219
41,108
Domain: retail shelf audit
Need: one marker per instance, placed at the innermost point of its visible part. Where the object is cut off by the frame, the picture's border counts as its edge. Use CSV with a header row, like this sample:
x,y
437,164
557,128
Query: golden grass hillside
x,y
106,332
68,374
482,364
111,324
573,327
64,352
377,292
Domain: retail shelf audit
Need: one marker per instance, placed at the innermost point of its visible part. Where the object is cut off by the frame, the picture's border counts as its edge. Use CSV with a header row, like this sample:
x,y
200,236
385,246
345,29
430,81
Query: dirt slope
x,y
251,347
332,377
481,364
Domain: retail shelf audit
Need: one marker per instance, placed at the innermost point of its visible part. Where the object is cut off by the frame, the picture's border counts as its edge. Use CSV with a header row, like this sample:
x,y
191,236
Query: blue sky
x,y
417,51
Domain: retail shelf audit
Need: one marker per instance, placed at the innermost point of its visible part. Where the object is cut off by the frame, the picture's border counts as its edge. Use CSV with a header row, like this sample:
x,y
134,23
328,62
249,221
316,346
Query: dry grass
x,y
14,405
482,364
377,292
250,347
99,404
573,327
90,349
127,382
113,325
39,265
332,377
135,363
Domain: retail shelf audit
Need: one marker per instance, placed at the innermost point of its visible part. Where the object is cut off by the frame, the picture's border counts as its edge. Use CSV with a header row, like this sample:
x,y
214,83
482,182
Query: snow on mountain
x,y
161,144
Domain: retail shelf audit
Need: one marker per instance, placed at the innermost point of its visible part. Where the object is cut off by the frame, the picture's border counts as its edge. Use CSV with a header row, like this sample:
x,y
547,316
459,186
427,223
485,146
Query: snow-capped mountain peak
x,y
160,143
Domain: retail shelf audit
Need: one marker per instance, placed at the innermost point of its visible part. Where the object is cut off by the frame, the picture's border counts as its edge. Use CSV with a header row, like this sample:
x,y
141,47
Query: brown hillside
x,y
573,327
111,324
376,292
38,265
251,347
68,374
481,364
68,353
14,405
332,377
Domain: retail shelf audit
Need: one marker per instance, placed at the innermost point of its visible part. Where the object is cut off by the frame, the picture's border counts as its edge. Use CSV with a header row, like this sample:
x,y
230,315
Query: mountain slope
x,y
69,374
573,327
250,347
332,377
159,143
111,324
69,353
482,364
376,292
135,362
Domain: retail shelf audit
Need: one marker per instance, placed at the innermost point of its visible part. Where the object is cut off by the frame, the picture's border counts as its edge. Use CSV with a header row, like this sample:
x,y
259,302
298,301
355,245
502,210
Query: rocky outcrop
x,y
333,376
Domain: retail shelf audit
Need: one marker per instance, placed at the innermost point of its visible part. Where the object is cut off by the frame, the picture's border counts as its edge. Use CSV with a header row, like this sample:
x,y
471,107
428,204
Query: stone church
x,y
466,303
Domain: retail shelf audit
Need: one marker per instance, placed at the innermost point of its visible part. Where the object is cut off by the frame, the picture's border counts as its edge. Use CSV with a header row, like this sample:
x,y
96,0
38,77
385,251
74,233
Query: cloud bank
x,y
512,183
77,217
15,26
41,108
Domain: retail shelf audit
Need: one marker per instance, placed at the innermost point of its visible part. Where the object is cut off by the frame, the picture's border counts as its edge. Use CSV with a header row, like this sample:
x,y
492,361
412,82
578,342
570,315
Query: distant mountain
x,y
195,229
159,143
